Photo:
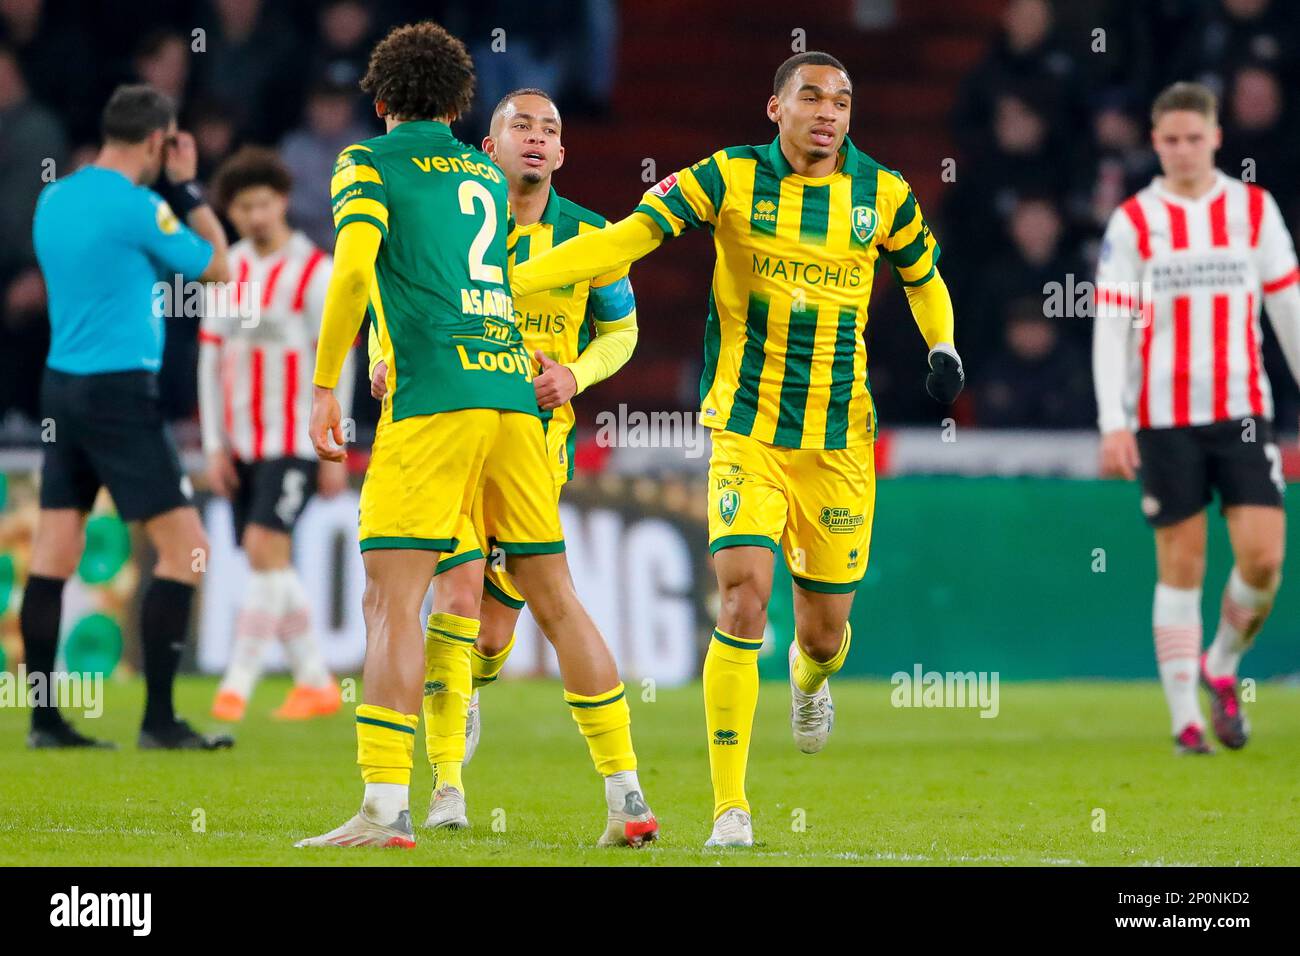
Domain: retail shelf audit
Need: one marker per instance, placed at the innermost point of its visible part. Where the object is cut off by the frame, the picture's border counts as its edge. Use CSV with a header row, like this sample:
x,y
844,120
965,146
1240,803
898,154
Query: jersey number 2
x,y
469,193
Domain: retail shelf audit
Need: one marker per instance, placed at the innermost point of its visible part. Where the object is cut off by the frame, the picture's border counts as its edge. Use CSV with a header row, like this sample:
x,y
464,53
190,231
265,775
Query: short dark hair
x,y
419,72
1192,97
811,58
247,167
134,111
522,91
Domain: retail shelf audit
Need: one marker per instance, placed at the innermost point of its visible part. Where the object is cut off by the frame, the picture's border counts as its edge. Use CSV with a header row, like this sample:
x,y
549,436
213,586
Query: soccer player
x,y
1184,403
256,352
105,241
524,142
421,244
797,227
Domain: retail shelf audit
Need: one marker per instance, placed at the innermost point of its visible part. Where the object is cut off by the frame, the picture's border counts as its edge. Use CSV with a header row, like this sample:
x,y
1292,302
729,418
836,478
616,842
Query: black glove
x,y
184,198
946,374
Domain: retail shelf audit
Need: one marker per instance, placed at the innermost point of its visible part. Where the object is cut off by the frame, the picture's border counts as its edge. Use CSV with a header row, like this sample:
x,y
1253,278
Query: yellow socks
x,y
809,674
730,696
447,687
606,722
485,669
385,744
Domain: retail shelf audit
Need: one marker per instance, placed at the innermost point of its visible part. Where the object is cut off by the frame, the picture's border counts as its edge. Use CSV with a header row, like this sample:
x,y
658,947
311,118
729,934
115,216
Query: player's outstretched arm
x,y
932,309
588,255
345,305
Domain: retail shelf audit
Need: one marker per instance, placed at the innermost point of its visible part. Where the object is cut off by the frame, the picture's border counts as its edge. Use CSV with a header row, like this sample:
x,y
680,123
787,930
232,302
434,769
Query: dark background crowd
x,y
1041,130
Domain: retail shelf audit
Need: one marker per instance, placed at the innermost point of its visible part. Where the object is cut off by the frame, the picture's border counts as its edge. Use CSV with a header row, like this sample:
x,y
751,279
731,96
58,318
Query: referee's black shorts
x,y
1182,468
108,430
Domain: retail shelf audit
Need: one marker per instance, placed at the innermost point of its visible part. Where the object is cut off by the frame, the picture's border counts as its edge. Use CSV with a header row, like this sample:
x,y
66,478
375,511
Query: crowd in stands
x,y
1050,128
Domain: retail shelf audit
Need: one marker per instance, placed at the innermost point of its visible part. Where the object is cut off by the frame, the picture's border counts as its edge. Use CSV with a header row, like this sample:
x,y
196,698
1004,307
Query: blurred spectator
x,y
1021,159
33,149
1035,258
1039,380
1124,162
310,151
163,61
214,134
1026,55
59,61
1235,32
249,64
1258,141
343,51
24,340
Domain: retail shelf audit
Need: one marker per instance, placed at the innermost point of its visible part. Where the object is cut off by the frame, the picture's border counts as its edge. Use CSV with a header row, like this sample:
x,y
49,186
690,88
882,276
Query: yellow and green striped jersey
x,y
784,356
559,322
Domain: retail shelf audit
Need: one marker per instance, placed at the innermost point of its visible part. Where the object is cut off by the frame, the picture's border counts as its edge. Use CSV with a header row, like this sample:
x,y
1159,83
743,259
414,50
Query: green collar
x,y
423,126
776,159
551,214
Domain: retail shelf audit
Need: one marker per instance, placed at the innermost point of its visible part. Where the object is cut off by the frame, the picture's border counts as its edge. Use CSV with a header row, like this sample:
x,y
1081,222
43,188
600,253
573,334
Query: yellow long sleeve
x,y
932,309
374,351
587,255
606,353
345,298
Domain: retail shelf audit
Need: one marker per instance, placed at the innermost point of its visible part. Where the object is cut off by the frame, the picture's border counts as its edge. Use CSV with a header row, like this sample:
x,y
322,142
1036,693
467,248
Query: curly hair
x,y
248,167
419,72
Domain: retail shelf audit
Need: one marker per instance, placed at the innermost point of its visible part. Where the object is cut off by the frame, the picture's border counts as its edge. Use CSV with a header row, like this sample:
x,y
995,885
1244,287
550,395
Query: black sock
x,y
39,621
164,617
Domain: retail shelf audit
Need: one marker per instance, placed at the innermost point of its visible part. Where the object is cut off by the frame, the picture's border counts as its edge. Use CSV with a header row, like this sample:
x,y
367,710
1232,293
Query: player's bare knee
x,y
492,641
820,641
744,605
460,601
1261,568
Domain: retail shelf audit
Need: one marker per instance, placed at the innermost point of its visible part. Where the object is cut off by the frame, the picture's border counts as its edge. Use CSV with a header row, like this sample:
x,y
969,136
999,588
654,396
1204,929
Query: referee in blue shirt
x,y
105,236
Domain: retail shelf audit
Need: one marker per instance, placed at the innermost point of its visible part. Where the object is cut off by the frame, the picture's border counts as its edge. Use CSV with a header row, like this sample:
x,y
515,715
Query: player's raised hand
x,y
379,381
555,385
1119,455
182,162
327,425
222,478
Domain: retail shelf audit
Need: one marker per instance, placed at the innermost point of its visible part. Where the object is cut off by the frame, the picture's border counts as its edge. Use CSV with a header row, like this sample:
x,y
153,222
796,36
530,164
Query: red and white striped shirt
x,y
258,341
1187,279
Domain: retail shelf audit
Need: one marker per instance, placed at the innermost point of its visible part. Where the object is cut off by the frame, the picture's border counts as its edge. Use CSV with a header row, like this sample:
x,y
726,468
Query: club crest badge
x,y
728,505
864,223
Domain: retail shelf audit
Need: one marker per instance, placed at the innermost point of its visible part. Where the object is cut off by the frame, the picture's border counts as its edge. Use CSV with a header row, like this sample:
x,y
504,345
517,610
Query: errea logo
x,y
765,210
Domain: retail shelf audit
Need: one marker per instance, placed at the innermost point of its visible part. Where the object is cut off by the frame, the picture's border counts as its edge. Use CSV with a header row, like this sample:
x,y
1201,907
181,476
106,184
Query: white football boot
x,y
811,715
362,831
733,828
473,729
630,821
447,810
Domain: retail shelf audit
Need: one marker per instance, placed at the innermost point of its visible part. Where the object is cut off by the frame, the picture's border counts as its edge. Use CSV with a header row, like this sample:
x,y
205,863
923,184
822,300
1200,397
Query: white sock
x,y
254,626
618,786
1240,618
295,630
1176,619
384,801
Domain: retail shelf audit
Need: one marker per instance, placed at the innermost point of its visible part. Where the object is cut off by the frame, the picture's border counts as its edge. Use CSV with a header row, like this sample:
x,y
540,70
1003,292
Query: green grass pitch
x,y
894,786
